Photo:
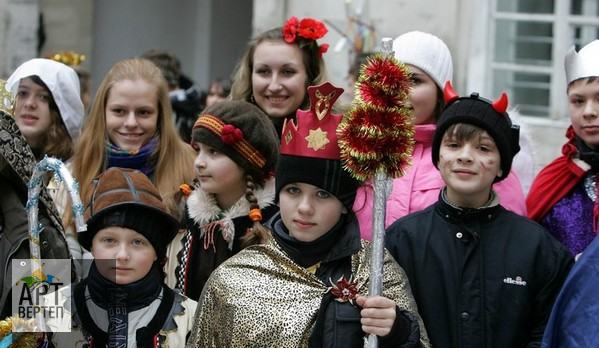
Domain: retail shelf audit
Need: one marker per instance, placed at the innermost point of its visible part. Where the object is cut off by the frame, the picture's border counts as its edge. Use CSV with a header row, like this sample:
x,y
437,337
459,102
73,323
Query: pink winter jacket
x,y
420,187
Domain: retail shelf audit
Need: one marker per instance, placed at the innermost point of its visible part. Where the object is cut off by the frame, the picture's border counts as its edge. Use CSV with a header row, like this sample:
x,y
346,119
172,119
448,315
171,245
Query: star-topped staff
x,y
376,142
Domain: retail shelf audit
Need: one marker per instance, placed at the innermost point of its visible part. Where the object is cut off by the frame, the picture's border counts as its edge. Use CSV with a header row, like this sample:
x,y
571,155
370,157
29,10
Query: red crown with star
x,y
316,132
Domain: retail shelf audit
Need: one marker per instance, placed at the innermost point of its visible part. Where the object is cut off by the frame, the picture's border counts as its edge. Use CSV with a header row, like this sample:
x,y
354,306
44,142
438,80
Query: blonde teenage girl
x,y
130,126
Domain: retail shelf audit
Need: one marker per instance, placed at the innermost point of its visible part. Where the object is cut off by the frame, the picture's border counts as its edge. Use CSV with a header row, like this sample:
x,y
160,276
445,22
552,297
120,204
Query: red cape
x,y
554,181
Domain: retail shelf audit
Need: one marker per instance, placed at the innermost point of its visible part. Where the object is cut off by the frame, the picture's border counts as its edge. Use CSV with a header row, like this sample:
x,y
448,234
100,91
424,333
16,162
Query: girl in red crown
x,y
306,285
237,150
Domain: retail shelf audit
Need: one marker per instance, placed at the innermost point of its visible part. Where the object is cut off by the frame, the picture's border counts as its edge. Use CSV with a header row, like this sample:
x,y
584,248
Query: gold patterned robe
x,y
261,298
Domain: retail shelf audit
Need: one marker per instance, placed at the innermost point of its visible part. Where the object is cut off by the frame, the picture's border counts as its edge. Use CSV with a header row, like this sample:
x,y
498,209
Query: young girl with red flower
x,y
233,193
278,66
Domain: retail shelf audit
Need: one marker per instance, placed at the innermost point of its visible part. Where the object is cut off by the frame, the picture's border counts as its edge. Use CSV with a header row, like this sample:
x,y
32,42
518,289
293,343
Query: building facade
x,y
516,46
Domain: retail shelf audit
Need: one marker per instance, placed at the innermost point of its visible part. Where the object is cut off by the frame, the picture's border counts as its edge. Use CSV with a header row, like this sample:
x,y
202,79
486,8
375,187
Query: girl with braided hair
x,y
237,149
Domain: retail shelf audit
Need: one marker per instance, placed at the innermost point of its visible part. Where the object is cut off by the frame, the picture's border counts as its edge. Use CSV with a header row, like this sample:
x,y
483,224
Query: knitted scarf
x,y
139,159
119,300
307,254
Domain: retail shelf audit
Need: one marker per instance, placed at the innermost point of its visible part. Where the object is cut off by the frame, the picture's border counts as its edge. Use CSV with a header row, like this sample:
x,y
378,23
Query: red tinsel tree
x,y
376,134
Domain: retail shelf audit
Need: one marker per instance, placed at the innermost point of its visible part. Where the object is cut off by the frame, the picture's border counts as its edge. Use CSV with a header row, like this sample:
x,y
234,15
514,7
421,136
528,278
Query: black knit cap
x,y
257,131
479,112
127,198
328,174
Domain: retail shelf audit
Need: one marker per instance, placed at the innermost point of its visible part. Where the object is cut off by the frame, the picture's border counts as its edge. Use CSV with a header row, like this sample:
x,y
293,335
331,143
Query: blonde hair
x,y
242,79
174,158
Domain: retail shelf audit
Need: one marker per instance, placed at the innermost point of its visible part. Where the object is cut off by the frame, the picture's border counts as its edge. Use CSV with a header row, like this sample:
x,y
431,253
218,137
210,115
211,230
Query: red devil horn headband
x,y
450,95
500,105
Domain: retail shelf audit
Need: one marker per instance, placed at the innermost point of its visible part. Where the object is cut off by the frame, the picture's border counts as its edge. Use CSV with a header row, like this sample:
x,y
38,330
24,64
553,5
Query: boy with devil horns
x,y
482,276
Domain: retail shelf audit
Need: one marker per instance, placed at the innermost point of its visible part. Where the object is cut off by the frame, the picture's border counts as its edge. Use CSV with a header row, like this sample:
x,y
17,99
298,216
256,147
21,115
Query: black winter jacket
x,y
486,278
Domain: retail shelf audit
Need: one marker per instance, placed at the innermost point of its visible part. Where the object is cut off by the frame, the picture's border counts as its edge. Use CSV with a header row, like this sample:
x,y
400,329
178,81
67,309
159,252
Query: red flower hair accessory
x,y
305,32
231,135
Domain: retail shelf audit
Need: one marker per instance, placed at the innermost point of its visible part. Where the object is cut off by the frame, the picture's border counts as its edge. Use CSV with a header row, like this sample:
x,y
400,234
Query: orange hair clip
x,y
185,189
255,215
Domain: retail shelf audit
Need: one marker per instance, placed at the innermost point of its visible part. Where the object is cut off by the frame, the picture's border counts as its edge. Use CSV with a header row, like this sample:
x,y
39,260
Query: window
x,y
527,43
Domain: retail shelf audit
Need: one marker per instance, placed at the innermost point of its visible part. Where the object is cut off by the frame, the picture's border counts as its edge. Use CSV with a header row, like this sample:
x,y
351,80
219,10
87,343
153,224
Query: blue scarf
x,y
139,159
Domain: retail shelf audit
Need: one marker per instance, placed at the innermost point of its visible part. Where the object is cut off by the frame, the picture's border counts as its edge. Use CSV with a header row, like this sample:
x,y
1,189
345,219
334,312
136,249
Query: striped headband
x,y
233,137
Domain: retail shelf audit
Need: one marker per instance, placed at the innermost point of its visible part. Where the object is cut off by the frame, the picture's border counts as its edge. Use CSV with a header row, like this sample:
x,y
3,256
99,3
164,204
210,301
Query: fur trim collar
x,y
204,211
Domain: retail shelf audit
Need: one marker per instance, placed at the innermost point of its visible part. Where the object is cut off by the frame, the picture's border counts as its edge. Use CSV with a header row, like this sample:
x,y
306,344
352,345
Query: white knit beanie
x,y
426,52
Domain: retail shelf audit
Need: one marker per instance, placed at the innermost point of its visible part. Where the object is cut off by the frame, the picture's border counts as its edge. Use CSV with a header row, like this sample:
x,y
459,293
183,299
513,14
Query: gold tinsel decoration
x,y
376,134
70,58
24,333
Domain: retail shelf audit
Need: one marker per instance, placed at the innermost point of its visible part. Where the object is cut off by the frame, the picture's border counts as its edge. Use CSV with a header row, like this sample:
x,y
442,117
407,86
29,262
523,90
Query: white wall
x,y
108,30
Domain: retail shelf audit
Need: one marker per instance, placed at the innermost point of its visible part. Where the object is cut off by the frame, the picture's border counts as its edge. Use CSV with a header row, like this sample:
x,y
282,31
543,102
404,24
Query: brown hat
x,y
243,132
127,198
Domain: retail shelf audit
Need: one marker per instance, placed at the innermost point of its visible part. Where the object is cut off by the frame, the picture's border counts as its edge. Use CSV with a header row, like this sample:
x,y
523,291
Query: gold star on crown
x,y
315,132
317,139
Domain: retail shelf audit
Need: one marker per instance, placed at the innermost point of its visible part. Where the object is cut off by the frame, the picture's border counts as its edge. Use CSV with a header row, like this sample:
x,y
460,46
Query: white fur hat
x,y
426,52
63,83
582,63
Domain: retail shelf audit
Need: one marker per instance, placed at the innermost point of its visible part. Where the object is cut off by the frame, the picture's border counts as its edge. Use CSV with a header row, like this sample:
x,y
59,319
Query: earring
x,y
252,99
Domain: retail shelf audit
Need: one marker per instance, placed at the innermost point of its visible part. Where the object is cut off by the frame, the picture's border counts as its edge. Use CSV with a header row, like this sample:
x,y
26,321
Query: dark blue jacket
x,y
574,320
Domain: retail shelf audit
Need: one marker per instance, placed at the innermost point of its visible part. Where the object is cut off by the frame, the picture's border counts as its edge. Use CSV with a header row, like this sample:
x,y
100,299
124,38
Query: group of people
x,y
254,233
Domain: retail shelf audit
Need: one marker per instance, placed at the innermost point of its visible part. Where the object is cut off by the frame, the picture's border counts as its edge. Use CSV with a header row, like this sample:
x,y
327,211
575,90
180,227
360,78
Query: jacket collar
x,y
457,215
425,133
202,207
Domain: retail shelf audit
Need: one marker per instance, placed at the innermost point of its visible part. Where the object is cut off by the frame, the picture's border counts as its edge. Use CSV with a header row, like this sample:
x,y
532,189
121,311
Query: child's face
x,y
32,112
219,175
583,104
278,78
122,255
131,113
469,168
307,211
423,97
215,94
